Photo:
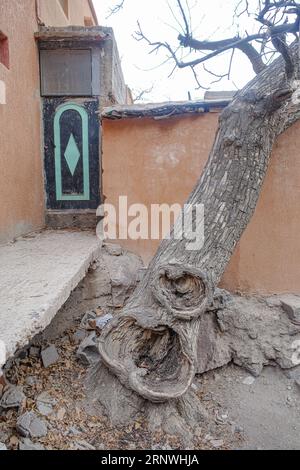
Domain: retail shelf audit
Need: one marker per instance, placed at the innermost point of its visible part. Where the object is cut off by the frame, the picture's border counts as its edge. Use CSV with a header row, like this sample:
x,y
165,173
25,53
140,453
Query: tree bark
x,y
151,346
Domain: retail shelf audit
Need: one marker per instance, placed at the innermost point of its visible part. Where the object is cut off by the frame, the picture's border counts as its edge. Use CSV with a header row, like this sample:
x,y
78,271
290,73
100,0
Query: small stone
x,y
74,431
79,336
45,404
252,335
61,414
22,354
88,353
49,356
87,318
13,397
27,444
30,425
291,305
82,445
293,374
31,381
113,249
273,301
100,322
221,419
249,380
238,429
34,351
216,443
2,446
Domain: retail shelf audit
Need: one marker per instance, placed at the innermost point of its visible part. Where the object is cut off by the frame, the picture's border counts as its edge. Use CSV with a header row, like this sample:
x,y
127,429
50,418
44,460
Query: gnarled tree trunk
x,y
151,346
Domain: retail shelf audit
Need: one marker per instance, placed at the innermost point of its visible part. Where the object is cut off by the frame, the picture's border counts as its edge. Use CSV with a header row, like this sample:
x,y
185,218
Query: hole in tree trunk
x,y
158,352
150,361
183,291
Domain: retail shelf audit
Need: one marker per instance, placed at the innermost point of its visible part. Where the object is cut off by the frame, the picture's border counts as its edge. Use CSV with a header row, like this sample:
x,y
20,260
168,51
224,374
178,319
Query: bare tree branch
x,y
116,9
186,23
226,44
278,21
139,95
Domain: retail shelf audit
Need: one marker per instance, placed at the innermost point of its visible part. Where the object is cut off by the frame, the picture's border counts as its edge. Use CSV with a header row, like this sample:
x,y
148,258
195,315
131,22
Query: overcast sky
x,y
211,19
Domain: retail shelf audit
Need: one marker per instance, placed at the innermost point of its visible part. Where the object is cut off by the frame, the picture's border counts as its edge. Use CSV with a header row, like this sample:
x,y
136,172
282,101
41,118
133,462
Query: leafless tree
x,y
277,25
153,345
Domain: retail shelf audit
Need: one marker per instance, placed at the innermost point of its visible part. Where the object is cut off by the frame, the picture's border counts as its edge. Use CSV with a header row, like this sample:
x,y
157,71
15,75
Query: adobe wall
x,y
21,168
160,161
52,13
21,180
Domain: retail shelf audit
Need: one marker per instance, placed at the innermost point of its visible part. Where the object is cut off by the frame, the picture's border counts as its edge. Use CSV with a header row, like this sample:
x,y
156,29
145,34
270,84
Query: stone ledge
x,y
37,275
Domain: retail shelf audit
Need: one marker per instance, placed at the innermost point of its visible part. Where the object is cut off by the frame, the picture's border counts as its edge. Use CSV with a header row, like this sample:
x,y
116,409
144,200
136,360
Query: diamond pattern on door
x,y
72,155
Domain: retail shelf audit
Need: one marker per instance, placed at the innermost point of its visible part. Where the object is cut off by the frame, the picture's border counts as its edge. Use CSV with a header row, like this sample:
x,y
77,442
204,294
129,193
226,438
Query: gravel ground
x,y
70,426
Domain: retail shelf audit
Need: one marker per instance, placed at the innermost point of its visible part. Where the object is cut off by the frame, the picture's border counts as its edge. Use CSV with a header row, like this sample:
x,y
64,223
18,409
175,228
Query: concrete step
x,y
37,275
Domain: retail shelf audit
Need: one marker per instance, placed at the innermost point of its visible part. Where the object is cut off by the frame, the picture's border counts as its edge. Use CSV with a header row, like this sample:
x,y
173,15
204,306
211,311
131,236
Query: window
x,y
4,50
65,6
66,72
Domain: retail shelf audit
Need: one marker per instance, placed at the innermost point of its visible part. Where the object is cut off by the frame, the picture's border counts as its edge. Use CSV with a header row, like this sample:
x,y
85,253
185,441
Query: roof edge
x,y
163,110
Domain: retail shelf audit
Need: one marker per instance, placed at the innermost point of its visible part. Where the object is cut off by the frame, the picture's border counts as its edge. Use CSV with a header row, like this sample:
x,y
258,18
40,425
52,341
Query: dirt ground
x,y
72,427
261,415
268,410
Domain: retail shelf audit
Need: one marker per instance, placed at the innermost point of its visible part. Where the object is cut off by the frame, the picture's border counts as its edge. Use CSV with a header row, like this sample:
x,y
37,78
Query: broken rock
x,y
113,249
100,322
27,444
291,305
249,380
88,317
82,445
123,271
2,446
45,404
13,397
79,336
88,353
50,356
94,320
34,351
30,425
31,381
